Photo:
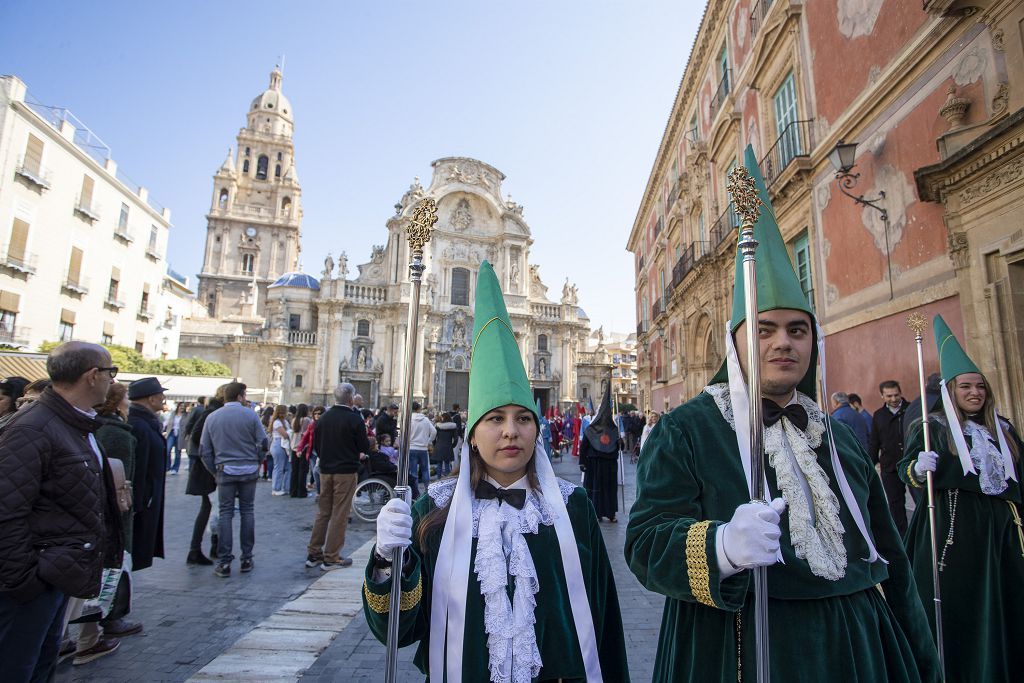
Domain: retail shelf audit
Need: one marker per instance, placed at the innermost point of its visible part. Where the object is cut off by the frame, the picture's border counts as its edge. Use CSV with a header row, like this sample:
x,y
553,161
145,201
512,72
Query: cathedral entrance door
x,y
545,397
456,388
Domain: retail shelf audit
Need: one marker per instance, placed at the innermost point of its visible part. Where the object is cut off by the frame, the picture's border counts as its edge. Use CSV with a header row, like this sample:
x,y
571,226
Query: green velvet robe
x,y
556,633
982,580
689,481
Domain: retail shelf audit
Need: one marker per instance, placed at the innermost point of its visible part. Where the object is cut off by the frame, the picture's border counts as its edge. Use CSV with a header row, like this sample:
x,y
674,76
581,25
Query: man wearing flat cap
x,y
147,397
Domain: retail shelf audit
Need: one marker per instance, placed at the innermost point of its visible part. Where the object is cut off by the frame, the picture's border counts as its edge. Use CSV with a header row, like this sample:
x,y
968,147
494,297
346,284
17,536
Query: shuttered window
x,y
785,114
9,301
75,266
33,162
18,246
802,261
85,199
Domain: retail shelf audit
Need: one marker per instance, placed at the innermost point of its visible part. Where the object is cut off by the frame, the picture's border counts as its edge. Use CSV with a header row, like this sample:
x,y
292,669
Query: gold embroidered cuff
x,y
697,563
910,475
381,604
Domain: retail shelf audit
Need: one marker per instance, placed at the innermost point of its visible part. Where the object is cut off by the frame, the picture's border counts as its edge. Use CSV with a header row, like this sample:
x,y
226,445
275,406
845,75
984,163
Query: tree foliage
x,y
129,360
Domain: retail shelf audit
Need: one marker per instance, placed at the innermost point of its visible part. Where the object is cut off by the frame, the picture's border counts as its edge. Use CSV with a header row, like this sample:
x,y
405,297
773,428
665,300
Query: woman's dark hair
x,y
111,405
366,413
14,387
301,411
433,521
265,416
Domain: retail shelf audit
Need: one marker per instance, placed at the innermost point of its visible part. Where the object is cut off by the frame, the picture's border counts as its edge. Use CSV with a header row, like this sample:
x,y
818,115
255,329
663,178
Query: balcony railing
x,y
153,253
302,338
659,226
691,257
370,294
794,141
14,335
673,194
144,313
113,302
123,234
89,210
658,308
641,327
22,263
724,226
546,311
721,92
38,176
76,285
758,14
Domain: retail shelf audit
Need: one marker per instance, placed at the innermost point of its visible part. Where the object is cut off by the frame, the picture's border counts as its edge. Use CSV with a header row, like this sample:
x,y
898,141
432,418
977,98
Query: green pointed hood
x,y
953,360
777,284
496,375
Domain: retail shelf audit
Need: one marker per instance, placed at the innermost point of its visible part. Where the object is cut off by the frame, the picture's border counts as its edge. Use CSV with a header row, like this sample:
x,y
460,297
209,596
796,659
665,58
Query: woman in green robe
x,y
978,525
528,592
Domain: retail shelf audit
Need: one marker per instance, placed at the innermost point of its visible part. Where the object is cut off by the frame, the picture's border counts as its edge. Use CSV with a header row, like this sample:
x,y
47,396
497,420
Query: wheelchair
x,y
374,490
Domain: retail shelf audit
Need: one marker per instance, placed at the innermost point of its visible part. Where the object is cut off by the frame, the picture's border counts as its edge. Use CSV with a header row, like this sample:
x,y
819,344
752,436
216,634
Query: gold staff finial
x,y
744,195
917,323
424,216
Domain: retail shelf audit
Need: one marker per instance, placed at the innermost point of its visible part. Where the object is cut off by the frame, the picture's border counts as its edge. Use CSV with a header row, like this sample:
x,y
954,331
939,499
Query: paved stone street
x,y
283,618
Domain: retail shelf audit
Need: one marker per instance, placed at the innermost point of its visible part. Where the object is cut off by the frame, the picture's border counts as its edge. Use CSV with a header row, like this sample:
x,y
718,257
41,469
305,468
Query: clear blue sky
x,y
568,99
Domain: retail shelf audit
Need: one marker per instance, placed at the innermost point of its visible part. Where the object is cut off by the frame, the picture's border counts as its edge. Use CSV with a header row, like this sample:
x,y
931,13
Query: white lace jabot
x,y
815,530
502,552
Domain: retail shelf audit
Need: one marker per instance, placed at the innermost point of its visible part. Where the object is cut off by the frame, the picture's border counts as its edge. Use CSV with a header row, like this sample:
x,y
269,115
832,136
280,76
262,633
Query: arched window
x,y
542,342
279,156
247,151
460,287
277,171
222,201
248,261
261,167
363,328
245,166
286,206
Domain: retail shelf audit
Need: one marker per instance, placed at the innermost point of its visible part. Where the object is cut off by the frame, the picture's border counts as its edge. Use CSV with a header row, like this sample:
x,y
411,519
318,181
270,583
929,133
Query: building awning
x,y
67,316
108,328
9,301
31,366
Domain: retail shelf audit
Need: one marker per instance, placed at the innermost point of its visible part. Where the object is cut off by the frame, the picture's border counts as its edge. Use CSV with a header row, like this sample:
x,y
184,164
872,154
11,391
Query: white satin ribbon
x,y
957,430
451,574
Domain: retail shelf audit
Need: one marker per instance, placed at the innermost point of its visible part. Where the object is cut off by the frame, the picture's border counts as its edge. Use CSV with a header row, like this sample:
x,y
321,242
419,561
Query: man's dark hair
x,y
416,406
888,384
201,400
934,384
71,360
455,407
233,390
854,398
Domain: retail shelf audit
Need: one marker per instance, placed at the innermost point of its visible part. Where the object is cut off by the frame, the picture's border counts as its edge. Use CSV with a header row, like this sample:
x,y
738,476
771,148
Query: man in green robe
x,y
842,600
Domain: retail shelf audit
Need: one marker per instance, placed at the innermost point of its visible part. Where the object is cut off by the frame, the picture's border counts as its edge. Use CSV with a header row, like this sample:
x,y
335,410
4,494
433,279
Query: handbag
x,y
122,487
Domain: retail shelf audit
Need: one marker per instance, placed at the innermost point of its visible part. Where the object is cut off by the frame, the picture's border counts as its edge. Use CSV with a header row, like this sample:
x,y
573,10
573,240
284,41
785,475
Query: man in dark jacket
x,y
59,520
845,413
201,481
147,397
386,423
191,420
886,449
339,439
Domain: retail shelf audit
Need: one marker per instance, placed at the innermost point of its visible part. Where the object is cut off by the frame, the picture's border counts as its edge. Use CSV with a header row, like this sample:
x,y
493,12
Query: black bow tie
x,y
485,490
771,413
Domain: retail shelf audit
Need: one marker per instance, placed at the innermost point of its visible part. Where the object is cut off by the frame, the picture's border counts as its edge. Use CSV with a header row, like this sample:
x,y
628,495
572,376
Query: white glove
x,y
394,527
751,538
926,461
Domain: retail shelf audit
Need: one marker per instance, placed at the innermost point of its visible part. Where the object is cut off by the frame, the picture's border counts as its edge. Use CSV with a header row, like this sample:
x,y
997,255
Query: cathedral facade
x,y
292,337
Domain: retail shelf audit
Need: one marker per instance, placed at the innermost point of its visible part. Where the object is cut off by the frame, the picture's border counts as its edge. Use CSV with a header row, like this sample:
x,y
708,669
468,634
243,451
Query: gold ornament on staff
x,y
748,205
918,323
418,234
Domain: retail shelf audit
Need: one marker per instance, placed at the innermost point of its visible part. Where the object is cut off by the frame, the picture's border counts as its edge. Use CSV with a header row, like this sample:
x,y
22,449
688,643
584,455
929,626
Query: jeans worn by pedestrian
x,y
30,634
229,488
419,470
333,509
173,444
282,467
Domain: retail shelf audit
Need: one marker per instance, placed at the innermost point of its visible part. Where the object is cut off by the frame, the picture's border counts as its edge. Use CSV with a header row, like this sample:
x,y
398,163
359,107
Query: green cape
x,y
777,284
496,375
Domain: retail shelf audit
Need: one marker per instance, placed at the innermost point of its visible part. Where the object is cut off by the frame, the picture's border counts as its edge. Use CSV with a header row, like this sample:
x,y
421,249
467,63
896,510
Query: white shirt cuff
x,y
725,569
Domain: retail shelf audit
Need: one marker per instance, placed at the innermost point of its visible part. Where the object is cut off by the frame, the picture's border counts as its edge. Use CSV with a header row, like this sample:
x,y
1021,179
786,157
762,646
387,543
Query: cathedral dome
x,y
298,280
272,99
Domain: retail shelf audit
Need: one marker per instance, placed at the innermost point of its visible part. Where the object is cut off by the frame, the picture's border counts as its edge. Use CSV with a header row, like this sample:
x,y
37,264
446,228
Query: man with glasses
x,y
59,520
147,397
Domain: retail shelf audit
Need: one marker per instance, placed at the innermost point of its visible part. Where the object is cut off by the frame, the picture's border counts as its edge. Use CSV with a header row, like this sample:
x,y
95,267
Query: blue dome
x,y
300,280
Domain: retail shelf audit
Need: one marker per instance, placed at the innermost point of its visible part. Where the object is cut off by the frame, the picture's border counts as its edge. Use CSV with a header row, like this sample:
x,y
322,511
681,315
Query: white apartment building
x,y
81,245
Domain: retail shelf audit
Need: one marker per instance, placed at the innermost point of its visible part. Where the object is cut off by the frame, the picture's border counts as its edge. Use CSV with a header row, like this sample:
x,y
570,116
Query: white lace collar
x,y
502,552
819,542
987,459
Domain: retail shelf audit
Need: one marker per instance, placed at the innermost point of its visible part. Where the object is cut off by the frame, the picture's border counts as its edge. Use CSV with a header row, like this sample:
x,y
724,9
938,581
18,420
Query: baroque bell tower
x,y
254,227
